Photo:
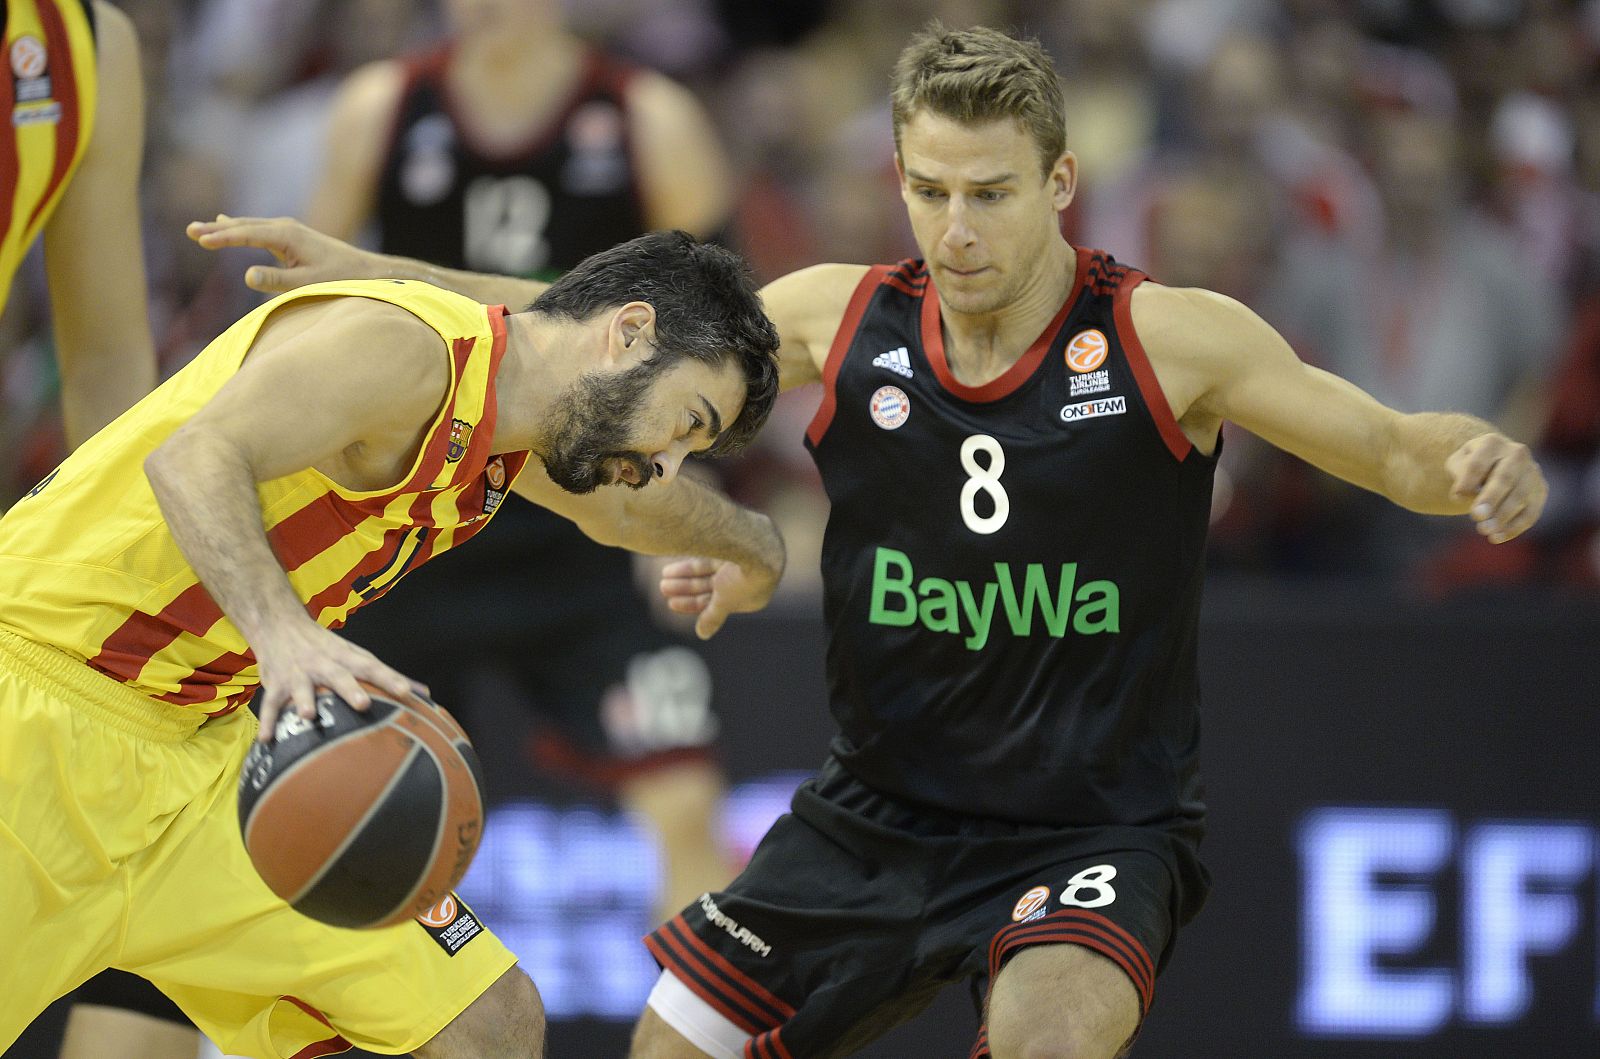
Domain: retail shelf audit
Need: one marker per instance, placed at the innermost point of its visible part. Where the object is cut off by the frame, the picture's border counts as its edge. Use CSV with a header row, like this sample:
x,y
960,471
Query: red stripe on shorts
x,y
738,977
1080,927
669,954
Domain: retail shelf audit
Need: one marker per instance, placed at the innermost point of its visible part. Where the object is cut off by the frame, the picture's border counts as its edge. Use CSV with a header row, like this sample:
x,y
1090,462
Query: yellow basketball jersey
x,y
89,566
50,94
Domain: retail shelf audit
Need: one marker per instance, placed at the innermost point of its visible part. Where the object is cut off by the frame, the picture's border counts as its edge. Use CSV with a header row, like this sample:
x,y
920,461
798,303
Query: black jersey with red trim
x,y
1012,572
571,191
536,211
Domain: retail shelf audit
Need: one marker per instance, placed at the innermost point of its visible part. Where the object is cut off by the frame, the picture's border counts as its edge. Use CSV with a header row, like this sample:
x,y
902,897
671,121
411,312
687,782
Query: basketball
x,y
363,819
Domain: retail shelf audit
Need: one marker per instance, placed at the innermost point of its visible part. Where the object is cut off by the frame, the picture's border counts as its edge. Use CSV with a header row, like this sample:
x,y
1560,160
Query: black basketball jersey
x,y
538,211
1012,572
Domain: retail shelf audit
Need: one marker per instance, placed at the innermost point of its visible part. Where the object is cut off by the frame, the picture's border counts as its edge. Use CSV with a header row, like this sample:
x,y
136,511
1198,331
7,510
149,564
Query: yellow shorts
x,y
119,847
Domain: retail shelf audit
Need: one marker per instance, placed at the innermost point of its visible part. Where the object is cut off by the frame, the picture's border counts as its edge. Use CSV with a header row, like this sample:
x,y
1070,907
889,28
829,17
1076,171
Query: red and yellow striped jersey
x,y
50,94
89,566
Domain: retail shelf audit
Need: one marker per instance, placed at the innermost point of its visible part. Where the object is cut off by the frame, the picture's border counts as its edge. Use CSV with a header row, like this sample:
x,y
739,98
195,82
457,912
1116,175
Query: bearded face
x,y
592,437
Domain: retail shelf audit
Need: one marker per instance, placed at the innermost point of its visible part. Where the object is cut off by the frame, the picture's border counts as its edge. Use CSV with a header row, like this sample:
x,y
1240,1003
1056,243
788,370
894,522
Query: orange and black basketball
x,y
363,819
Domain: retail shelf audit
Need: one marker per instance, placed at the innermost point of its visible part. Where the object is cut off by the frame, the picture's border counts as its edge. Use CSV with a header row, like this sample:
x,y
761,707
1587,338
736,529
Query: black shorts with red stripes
x,y
856,909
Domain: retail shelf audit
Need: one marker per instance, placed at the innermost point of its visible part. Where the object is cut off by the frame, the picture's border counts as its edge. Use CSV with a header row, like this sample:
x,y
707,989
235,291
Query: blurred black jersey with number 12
x,y
533,210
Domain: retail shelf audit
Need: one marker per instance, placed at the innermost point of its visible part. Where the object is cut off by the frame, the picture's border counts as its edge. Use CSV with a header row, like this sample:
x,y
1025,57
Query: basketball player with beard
x,y
513,147
1018,438
516,148
205,545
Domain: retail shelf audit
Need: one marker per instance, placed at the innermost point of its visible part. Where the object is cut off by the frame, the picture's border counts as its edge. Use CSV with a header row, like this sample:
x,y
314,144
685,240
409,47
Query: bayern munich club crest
x,y
890,407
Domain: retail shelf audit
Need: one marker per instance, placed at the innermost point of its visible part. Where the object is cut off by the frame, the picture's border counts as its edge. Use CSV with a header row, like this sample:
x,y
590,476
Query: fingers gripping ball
x,y
363,819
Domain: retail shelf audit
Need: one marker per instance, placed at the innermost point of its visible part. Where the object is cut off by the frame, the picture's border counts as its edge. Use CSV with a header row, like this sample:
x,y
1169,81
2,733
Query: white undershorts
x,y
700,1024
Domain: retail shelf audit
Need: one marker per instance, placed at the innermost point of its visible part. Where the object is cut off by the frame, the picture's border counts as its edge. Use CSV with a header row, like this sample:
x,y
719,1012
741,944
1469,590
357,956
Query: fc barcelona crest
x,y
460,438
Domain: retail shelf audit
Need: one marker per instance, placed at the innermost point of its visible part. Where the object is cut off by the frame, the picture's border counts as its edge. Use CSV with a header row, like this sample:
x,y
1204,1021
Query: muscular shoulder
x,y
807,307
1186,319
1197,340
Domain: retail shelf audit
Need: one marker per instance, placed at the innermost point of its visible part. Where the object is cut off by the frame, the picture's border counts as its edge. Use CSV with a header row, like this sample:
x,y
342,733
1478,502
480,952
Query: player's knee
x,y
506,1022
1063,1033
1053,1042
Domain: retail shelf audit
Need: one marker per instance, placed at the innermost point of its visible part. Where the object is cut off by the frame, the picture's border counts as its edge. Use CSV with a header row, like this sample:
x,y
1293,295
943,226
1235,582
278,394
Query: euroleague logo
x,y
890,407
28,57
1087,350
496,473
441,914
1030,904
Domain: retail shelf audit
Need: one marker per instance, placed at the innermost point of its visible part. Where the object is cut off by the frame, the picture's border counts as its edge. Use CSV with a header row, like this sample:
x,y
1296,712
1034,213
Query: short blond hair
x,y
979,75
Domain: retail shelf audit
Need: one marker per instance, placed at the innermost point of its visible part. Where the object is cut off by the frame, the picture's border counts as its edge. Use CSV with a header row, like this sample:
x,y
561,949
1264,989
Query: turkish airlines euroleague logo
x,y
441,914
451,924
1087,350
1030,904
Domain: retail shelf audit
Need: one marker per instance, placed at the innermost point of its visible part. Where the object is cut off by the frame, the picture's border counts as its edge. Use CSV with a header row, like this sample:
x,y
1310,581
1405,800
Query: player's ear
x,y
632,334
1063,180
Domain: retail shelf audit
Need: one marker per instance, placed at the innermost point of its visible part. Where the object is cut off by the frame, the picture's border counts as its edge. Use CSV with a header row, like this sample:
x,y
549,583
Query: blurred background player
x,y
69,167
513,147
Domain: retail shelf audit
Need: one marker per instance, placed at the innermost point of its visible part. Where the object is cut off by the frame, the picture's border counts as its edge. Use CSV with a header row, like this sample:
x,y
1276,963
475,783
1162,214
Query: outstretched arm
x,y
293,405
306,255
93,257
683,517
1217,360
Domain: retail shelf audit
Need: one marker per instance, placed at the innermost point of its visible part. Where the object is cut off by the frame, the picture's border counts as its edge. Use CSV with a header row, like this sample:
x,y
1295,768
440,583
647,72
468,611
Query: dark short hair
x,y
706,304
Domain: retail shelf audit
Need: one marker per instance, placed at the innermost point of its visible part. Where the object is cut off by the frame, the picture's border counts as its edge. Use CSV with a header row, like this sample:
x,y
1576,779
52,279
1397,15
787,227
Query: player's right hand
x,y
298,658
1504,483
305,254
712,589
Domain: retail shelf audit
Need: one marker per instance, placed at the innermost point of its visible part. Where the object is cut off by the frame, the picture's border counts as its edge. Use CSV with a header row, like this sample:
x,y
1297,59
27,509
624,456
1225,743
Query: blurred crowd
x,y
1408,190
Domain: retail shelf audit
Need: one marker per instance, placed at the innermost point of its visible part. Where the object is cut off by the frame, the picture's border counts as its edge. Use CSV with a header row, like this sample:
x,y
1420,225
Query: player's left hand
x,y
712,589
1505,485
304,254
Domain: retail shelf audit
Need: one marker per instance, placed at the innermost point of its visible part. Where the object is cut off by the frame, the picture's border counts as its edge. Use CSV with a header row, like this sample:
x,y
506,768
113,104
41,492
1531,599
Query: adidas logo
x,y
896,360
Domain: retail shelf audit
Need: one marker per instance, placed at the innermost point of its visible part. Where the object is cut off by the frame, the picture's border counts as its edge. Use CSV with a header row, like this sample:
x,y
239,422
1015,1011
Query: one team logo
x,y
1087,350
890,407
460,438
1106,406
1031,904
